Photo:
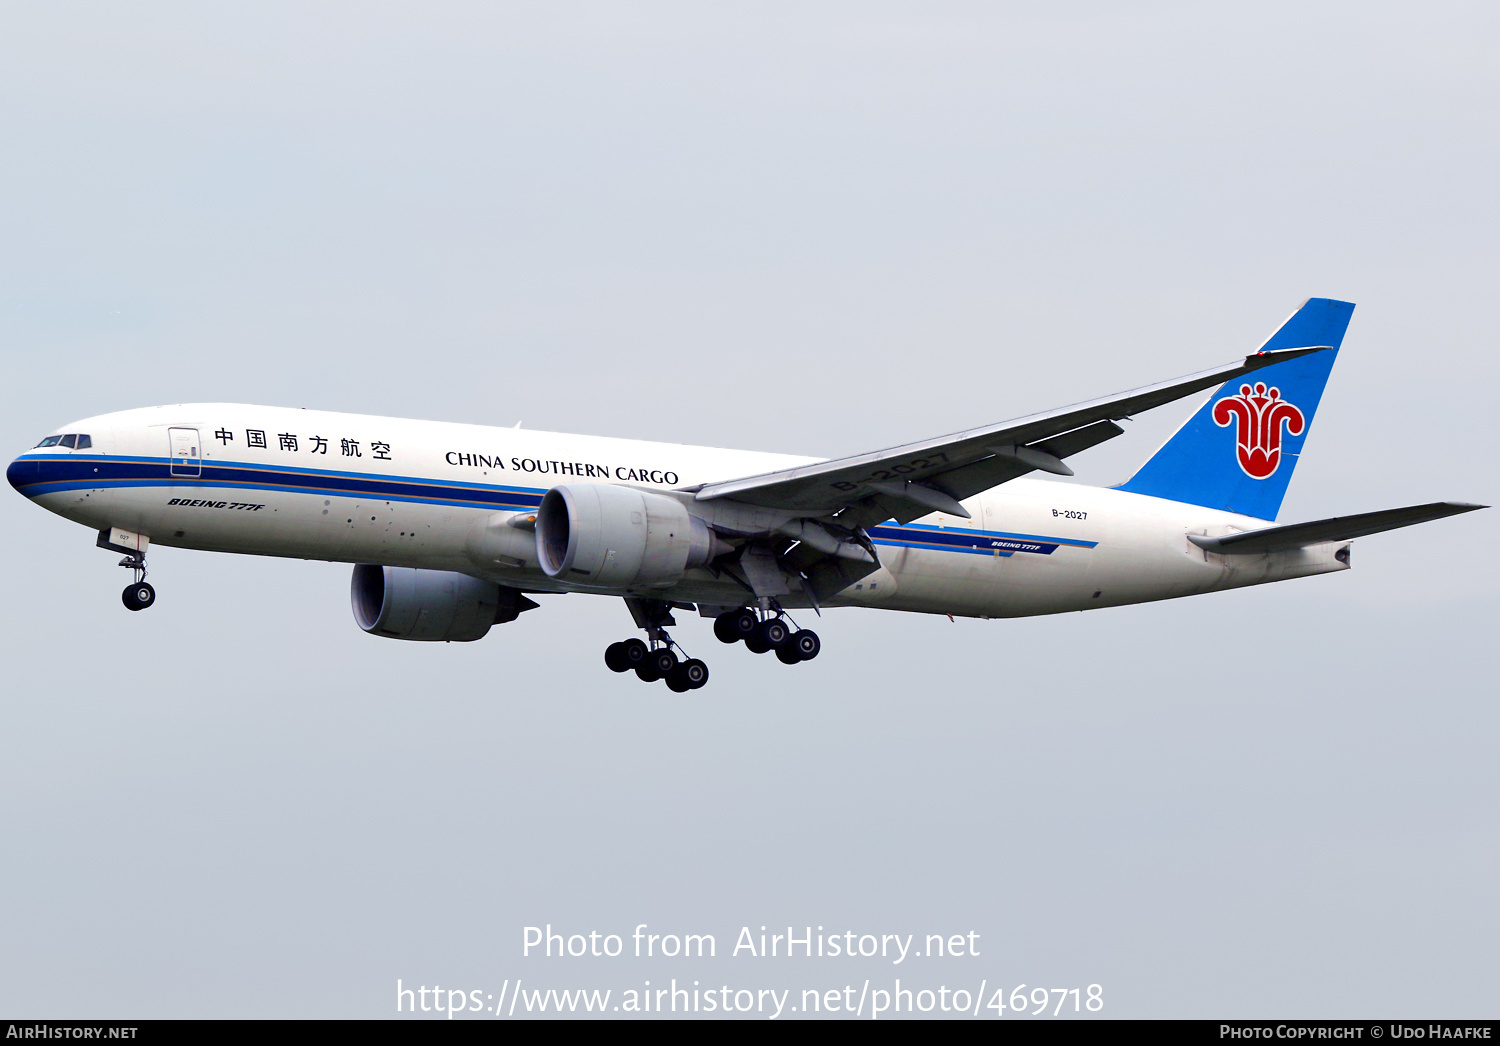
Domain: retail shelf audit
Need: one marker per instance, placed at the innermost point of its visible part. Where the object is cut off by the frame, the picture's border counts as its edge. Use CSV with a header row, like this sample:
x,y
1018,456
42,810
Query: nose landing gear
x,y
137,595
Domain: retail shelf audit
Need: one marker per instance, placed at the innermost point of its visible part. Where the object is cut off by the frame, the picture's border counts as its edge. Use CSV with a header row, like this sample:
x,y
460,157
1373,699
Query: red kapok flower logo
x,y
1259,417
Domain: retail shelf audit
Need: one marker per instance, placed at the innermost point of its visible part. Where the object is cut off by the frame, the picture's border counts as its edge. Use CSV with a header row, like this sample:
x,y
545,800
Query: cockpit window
x,y
73,441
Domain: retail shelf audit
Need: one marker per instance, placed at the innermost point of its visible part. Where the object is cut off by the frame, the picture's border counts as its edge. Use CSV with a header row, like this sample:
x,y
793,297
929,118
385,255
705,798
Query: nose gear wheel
x,y
138,596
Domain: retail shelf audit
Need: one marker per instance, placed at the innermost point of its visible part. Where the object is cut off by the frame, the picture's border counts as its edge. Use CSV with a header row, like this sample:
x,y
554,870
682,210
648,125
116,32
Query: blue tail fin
x,y
1237,453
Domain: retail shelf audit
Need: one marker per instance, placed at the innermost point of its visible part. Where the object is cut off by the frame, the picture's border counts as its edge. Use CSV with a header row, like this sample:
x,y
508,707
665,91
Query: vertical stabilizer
x,y
1237,453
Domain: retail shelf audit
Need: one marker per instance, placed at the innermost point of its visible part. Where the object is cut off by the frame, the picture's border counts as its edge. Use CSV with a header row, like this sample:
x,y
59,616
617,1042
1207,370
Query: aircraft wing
x,y
934,475
1340,528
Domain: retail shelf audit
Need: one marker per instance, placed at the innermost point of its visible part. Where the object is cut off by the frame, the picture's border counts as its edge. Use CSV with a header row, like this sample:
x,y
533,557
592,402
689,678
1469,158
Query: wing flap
x,y
968,480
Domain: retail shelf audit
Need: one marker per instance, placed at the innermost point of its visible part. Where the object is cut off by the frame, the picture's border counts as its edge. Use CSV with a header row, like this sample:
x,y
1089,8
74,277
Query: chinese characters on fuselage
x,y
379,450
291,442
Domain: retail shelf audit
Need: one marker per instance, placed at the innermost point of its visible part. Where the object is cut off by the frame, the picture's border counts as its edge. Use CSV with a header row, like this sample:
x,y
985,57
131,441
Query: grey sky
x,y
803,228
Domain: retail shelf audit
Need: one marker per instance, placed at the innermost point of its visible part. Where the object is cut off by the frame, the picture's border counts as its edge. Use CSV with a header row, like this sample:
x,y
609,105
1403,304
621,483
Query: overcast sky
x,y
805,228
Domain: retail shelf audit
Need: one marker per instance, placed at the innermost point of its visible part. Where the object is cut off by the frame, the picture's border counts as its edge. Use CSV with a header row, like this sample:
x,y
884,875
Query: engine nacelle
x,y
431,605
605,536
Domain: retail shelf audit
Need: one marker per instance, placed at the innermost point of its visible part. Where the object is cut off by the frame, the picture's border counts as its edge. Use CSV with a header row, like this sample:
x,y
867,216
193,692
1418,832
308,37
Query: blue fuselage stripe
x,y
47,474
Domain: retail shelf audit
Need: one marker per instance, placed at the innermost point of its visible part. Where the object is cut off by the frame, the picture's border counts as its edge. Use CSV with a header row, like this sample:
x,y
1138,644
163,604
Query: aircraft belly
x,y
993,586
1145,556
91,508
395,533
288,524
1059,548
934,582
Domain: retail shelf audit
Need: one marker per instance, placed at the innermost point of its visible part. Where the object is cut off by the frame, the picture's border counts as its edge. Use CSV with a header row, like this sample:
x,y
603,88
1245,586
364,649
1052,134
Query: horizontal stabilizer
x,y
1340,528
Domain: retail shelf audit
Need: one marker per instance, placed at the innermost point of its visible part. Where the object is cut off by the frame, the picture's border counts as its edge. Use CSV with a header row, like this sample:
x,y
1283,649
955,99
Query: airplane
x,y
452,528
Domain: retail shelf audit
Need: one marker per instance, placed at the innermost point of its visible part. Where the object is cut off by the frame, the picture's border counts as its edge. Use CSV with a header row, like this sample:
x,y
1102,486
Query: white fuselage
x,y
305,484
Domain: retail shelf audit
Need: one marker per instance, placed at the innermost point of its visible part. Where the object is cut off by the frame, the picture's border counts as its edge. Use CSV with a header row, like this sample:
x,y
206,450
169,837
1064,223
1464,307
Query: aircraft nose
x,y
22,472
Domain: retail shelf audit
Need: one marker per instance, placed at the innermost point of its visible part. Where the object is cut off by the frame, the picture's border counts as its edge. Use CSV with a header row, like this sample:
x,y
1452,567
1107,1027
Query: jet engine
x,y
604,536
431,605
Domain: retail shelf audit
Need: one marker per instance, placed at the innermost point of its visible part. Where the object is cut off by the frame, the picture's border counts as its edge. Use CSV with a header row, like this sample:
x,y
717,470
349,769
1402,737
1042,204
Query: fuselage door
x,y
187,454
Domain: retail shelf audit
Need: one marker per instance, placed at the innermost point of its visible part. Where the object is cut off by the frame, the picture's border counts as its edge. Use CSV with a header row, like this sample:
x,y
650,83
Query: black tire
x,y
787,654
696,673
138,597
634,653
647,673
677,680
806,643
614,657
757,645
772,632
737,625
663,661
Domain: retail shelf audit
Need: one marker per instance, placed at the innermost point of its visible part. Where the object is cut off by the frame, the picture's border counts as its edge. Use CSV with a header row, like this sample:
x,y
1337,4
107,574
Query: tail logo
x,y
1259,416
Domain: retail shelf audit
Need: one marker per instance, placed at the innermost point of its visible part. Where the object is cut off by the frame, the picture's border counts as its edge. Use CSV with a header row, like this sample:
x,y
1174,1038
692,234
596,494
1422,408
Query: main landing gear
x,y
657,657
765,634
658,660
